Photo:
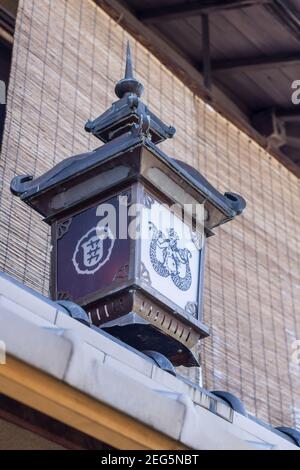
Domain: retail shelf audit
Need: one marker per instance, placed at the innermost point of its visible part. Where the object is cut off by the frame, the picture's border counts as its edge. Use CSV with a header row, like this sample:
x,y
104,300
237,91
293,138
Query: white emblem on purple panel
x,y
93,250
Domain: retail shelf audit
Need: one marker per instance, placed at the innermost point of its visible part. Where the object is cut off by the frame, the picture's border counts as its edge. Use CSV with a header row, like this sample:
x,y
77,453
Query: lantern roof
x,y
128,112
126,126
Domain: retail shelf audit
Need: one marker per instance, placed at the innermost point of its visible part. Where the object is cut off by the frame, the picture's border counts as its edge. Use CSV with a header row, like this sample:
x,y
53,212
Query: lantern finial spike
x,y
129,67
128,84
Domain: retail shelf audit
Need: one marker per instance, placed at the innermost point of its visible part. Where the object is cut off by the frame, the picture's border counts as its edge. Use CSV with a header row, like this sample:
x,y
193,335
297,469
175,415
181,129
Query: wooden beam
x,y
185,10
264,118
287,15
188,73
7,20
249,64
172,58
51,429
54,398
6,37
7,25
288,114
206,52
293,141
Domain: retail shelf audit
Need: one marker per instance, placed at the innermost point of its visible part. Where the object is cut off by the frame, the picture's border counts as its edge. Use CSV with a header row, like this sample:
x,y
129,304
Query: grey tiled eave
x,y
93,362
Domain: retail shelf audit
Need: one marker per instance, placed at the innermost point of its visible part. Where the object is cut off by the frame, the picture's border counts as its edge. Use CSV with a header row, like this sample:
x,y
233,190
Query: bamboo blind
x,y
67,57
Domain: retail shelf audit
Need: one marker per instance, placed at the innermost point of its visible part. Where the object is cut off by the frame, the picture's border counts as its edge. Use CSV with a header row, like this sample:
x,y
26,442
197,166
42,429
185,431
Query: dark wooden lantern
x,y
146,290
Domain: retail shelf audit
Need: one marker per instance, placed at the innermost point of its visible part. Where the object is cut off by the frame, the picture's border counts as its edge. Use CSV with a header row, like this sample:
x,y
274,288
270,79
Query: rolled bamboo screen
x,y
67,57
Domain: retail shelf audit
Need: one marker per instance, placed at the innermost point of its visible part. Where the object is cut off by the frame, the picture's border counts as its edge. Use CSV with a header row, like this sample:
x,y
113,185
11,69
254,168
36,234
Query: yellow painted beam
x,y
48,395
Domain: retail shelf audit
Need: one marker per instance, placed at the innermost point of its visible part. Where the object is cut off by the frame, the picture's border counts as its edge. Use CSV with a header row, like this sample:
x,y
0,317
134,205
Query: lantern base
x,y
181,327
142,335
